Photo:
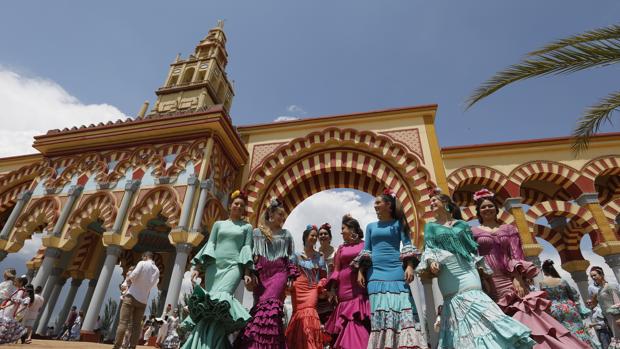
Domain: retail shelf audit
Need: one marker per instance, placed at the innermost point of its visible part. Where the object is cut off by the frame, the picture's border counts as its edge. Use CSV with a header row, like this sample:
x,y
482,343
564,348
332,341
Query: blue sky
x,y
66,63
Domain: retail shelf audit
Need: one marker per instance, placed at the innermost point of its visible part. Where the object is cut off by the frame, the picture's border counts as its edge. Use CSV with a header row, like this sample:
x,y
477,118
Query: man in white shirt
x,y
142,279
32,312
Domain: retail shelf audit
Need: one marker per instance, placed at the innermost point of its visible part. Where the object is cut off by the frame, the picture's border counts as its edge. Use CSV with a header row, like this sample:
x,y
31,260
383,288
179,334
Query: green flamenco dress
x,y
469,319
214,311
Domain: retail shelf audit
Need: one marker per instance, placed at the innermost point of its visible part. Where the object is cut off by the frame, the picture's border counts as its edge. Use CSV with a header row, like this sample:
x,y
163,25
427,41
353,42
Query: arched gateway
x,y
99,195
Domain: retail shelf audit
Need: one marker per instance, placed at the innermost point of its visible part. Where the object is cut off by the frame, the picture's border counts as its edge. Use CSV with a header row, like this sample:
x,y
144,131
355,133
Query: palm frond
x,y
564,60
611,32
592,120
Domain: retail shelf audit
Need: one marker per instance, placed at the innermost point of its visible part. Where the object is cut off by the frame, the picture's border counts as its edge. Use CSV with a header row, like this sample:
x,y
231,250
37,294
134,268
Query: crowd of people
x,y
358,294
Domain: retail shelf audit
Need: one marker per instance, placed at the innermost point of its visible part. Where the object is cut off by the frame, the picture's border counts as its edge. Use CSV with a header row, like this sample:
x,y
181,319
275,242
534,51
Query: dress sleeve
x,y
408,252
574,296
206,255
364,258
517,264
430,252
336,272
245,253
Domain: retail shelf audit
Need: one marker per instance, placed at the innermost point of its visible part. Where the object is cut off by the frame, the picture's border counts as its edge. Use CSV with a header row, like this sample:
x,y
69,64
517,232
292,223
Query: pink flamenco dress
x,y
350,321
304,329
503,254
274,268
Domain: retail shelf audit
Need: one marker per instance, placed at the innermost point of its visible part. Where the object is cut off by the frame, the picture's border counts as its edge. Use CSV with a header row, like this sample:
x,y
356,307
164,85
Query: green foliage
x,y
109,313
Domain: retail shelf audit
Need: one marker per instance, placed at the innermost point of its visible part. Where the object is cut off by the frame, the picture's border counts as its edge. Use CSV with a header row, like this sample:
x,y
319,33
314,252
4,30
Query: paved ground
x,y
41,344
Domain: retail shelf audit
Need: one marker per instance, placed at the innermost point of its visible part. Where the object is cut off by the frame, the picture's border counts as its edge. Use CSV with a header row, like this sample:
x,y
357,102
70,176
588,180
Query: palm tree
x,y
595,48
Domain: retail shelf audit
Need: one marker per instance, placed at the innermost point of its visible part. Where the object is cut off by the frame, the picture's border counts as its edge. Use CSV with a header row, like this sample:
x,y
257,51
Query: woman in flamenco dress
x,y
608,298
273,249
500,245
469,318
226,259
349,324
304,328
389,269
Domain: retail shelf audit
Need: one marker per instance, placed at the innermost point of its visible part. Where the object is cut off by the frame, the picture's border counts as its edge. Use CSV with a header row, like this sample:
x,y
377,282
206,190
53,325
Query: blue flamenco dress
x,y
470,319
214,312
394,321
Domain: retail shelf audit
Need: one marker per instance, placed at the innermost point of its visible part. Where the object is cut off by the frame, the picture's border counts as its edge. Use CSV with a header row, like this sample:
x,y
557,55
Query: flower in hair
x,y
483,193
275,202
326,226
238,194
389,192
311,227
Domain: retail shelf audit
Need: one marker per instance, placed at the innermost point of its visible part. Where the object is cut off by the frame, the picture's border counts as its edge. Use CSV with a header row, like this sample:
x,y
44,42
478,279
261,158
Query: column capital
x,y
162,180
511,203
76,282
76,190
132,185
184,248
587,198
92,283
114,250
52,252
193,180
24,195
207,184
613,260
577,266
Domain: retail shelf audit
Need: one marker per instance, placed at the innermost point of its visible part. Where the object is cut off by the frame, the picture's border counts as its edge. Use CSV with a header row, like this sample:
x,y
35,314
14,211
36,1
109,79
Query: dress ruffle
x,y
526,269
245,256
304,330
395,287
264,331
350,323
363,259
473,320
409,253
10,330
218,307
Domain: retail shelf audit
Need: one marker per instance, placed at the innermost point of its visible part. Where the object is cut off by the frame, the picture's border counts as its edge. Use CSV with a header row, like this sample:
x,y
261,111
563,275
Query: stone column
x,y
205,187
164,284
74,192
613,260
581,279
49,309
130,189
180,262
590,201
62,316
90,320
22,199
531,247
52,255
89,295
187,203
430,311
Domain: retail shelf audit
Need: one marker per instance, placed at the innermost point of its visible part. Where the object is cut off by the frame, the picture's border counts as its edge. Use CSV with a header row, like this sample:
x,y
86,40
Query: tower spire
x,y
200,80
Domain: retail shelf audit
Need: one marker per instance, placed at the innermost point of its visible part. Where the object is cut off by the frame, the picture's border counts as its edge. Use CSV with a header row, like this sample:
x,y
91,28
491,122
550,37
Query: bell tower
x,y
200,80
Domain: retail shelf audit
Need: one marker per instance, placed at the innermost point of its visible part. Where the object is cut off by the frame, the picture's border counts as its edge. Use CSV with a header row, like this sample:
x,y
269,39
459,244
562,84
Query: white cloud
x,y
285,118
329,206
295,109
32,106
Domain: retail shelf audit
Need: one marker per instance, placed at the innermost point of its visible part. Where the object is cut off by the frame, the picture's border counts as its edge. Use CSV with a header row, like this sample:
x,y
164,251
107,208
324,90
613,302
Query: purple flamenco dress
x,y
350,321
503,254
274,267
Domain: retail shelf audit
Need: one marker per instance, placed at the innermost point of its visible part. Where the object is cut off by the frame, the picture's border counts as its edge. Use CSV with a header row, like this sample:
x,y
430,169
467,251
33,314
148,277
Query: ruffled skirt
x,y
394,317
304,330
350,324
546,331
265,329
10,330
472,320
212,317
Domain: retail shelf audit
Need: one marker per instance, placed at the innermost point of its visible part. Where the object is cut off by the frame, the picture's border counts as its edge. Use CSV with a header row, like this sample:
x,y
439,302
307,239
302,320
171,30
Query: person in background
x,y
76,327
12,311
7,287
437,325
32,313
66,326
324,307
599,325
608,298
163,330
141,280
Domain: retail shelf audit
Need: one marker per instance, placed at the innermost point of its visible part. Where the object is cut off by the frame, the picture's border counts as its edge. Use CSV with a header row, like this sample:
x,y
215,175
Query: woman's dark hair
x,y
479,203
453,209
549,269
30,291
274,206
353,225
23,281
396,211
597,269
307,232
328,228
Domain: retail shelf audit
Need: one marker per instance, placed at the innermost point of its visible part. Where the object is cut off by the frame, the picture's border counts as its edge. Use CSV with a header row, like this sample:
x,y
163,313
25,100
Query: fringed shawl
x,y
457,239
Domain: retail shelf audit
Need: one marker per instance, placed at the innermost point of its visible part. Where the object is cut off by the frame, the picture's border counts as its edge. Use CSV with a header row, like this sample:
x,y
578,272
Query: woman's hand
x,y
331,297
409,274
361,279
434,268
519,286
289,284
249,282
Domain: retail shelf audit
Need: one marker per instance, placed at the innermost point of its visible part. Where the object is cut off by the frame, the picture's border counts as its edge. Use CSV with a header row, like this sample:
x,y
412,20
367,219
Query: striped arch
x,y
612,210
606,164
465,180
23,174
553,237
89,164
101,206
37,259
469,214
9,197
141,157
83,256
560,175
161,200
41,215
343,150
214,211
